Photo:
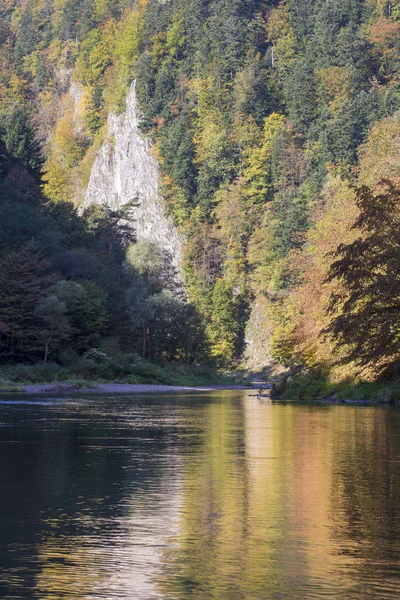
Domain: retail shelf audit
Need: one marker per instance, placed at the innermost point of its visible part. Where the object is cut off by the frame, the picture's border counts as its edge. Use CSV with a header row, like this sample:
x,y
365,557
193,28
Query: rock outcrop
x,y
126,170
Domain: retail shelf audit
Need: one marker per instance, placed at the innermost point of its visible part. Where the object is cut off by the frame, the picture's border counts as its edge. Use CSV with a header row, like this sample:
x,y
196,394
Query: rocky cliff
x,y
126,170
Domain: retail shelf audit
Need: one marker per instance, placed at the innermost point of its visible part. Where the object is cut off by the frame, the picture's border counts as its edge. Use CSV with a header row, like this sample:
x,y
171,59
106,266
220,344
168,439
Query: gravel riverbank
x,y
116,388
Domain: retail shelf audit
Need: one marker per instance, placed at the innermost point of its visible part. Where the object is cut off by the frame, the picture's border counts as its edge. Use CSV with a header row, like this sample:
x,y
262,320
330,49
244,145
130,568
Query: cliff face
x,y
258,339
125,170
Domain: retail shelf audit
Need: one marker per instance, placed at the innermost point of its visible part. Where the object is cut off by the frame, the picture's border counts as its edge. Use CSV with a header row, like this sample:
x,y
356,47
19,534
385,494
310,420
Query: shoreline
x,y
148,388
336,401
114,388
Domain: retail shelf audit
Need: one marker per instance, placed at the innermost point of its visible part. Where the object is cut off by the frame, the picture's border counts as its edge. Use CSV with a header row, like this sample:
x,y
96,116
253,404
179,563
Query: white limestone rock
x,y
124,170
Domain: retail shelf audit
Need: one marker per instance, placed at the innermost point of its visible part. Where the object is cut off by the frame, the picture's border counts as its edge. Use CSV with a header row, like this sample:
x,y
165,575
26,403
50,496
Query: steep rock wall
x,y
124,170
258,338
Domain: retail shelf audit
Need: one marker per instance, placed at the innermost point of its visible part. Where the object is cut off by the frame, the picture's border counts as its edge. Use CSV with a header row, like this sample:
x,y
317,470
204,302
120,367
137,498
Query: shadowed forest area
x,y
277,130
80,293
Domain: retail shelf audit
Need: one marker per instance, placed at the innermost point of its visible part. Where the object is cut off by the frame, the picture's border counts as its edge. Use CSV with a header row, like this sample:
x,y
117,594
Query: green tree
x,y
85,311
153,283
56,328
19,138
225,323
300,95
140,312
178,151
27,36
25,282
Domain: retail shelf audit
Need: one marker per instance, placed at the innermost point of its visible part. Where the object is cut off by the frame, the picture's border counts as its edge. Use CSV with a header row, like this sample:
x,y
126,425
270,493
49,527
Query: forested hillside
x,y
277,128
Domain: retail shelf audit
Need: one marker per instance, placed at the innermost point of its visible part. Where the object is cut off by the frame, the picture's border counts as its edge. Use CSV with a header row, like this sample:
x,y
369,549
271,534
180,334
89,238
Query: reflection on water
x,y
216,496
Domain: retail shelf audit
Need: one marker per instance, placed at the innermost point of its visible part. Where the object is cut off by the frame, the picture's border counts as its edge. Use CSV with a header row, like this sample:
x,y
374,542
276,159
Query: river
x,y
202,496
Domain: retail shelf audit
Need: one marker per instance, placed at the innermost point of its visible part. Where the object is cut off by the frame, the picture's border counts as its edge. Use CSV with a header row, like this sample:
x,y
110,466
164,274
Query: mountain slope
x,y
259,114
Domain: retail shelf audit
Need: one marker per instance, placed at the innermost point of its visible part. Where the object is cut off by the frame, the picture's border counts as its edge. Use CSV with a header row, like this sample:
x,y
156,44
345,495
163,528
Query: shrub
x,y
39,373
67,357
132,379
151,372
85,368
97,356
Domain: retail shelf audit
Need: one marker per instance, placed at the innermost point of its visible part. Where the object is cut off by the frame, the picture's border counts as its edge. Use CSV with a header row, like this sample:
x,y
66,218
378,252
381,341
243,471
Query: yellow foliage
x,y
19,87
176,200
380,154
128,37
306,306
233,228
84,168
221,349
66,141
210,142
176,35
61,53
159,48
58,11
265,272
281,34
114,91
55,187
231,213
257,169
209,95
102,8
246,135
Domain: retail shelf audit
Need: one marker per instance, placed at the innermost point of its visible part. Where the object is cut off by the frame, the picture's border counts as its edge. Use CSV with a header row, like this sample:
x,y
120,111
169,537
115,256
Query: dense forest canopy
x,y
277,128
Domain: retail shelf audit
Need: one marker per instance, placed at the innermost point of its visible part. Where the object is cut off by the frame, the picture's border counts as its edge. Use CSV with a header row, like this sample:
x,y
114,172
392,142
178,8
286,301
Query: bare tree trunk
x,y
144,340
46,350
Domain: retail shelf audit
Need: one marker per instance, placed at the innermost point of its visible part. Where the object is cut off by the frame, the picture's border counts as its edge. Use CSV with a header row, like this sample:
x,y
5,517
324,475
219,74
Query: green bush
x,y
314,386
39,373
67,357
85,368
96,365
132,379
151,372
97,356
309,386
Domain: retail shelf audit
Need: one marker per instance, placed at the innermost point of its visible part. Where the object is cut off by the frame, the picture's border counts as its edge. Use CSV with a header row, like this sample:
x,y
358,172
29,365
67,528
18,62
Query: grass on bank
x,y
313,386
97,368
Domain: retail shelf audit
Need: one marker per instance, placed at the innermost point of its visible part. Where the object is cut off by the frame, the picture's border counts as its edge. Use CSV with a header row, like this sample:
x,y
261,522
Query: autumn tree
x,y
365,311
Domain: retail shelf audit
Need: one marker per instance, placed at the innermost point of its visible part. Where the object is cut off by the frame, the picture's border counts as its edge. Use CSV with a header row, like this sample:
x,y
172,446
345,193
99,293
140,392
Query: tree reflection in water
x,y
203,496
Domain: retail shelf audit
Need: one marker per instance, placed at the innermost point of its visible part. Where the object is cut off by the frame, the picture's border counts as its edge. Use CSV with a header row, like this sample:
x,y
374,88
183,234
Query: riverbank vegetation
x,y
80,290
316,385
88,371
277,128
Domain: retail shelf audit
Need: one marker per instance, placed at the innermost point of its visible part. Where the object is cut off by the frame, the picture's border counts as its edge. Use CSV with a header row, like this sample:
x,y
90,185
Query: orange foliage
x,y
384,35
309,300
305,309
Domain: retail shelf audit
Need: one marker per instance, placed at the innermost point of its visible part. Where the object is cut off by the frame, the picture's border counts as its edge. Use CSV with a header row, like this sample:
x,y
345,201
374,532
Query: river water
x,y
203,496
